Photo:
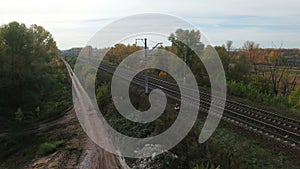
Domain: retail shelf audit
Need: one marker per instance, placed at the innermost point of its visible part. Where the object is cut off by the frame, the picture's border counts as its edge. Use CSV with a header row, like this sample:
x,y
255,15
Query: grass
x,y
48,148
207,166
244,152
228,147
17,150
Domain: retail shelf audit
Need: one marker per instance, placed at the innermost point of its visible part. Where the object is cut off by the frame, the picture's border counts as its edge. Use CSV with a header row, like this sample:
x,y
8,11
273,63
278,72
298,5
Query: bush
x,y
294,99
207,166
19,115
251,92
103,95
47,148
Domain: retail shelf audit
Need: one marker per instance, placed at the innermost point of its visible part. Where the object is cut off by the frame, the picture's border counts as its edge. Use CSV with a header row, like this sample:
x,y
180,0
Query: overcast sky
x,y
73,23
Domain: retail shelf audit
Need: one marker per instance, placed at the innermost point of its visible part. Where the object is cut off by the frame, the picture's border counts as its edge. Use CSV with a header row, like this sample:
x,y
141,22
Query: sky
x,y
72,23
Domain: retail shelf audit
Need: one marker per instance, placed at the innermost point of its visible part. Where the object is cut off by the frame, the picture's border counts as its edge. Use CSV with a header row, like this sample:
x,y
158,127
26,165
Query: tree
x,y
25,65
224,56
252,51
120,51
228,46
239,69
184,43
279,76
184,40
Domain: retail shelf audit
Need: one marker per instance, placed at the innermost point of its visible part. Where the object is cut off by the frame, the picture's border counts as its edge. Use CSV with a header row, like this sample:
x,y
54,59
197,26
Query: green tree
x,y
239,69
223,54
184,43
27,72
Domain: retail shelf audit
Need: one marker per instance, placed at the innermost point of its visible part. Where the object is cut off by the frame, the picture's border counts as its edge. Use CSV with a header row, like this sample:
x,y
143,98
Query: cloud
x,y
75,22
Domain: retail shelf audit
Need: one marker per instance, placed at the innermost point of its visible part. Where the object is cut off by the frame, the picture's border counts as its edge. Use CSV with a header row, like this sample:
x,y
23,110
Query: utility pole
x,y
184,71
185,60
146,75
146,62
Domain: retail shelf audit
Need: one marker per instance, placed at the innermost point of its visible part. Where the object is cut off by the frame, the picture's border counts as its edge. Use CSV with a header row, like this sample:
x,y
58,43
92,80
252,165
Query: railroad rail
x,y
278,127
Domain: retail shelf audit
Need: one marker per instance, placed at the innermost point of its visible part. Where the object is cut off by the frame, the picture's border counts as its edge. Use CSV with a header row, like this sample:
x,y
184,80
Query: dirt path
x,y
93,157
77,151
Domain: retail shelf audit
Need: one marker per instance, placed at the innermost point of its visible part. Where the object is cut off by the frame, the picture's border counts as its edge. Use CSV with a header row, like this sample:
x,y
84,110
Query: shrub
x,y
37,111
19,115
207,166
294,99
251,92
47,148
103,95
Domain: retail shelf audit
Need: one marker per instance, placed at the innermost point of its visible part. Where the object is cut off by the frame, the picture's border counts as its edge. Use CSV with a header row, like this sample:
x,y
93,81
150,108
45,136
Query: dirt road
x,y
93,157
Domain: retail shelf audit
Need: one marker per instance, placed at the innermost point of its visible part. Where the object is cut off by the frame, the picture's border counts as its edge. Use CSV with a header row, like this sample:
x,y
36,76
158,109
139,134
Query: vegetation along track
x,y
274,126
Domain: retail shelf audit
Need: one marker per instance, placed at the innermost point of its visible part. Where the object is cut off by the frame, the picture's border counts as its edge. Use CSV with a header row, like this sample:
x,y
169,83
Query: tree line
x,y
31,74
264,73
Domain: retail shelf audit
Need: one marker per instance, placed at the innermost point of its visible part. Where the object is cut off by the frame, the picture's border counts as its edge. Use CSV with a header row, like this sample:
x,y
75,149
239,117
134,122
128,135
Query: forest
x,y
33,81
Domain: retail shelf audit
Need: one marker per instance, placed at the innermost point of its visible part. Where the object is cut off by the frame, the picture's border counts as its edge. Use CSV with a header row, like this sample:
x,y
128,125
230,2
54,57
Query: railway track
x,y
282,129
281,123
